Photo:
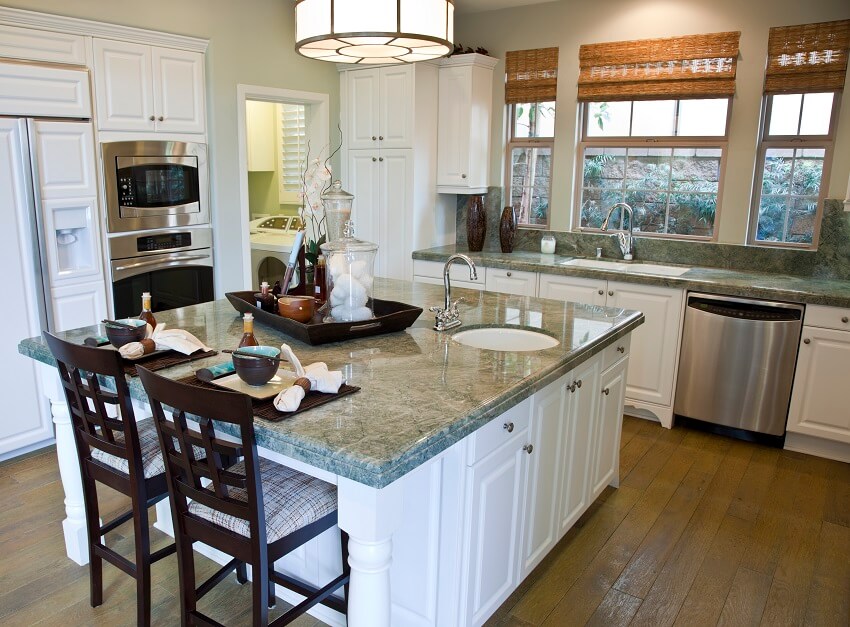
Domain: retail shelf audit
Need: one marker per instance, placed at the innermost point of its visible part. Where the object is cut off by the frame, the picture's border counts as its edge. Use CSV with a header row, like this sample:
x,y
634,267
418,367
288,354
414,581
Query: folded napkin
x,y
311,377
164,339
290,399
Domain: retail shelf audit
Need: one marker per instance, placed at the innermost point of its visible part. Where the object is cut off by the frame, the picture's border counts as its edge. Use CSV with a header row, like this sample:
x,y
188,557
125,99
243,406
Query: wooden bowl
x,y
257,370
298,308
118,336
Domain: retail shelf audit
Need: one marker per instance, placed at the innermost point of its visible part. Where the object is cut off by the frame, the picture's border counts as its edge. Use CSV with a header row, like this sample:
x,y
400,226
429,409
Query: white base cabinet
x,y
514,282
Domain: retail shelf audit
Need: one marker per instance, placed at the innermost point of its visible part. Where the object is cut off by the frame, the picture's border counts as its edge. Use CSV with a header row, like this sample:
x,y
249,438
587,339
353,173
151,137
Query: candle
x,y
547,244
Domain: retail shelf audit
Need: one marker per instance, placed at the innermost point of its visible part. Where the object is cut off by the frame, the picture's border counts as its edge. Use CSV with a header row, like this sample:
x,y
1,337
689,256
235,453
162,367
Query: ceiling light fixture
x,y
374,31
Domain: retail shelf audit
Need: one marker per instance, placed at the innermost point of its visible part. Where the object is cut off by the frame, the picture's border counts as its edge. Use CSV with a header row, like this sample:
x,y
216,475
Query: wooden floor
x,y
703,530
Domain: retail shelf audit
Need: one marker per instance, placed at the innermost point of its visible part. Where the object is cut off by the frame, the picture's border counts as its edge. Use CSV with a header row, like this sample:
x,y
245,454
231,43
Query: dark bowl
x,y
257,370
118,336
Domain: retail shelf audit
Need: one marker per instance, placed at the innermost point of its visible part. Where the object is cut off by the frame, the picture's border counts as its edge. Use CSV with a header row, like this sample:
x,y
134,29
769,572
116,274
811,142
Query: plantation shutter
x,y
531,75
694,66
807,57
293,151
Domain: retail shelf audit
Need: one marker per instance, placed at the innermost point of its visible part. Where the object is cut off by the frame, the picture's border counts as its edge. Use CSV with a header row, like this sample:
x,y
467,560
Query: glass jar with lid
x,y
349,277
337,204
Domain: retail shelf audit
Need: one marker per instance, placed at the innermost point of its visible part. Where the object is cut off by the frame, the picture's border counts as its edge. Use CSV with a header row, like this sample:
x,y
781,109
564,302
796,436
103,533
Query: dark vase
x,y
476,223
507,229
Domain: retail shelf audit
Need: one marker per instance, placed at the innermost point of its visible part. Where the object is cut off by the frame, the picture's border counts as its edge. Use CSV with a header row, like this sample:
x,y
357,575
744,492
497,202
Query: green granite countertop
x,y
794,289
421,391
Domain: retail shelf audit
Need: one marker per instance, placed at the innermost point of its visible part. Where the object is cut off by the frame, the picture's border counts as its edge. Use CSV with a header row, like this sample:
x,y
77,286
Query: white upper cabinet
x,y
465,106
32,90
144,88
41,45
66,160
380,108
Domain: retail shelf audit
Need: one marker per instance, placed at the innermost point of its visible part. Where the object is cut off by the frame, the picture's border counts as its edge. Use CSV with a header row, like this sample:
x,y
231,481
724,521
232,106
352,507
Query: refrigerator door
x,y
23,295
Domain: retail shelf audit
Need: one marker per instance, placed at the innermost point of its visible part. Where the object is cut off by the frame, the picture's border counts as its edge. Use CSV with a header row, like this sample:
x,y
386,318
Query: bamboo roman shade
x,y
807,57
532,75
694,66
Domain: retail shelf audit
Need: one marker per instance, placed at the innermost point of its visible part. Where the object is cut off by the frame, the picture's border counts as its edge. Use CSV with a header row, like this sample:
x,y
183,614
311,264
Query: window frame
x,y
528,142
767,142
645,141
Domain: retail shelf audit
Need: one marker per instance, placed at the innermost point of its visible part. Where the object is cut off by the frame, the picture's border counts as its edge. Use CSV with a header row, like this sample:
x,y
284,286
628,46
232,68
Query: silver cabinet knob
x,y
380,158
508,426
601,292
381,137
807,341
374,139
572,388
528,448
374,158
152,118
610,292
463,176
578,383
508,273
621,349
606,391
160,118
845,319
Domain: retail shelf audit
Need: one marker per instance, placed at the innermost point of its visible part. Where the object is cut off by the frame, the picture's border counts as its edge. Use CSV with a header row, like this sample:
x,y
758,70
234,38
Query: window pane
x,y
817,110
530,184
650,210
604,167
789,194
608,119
534,119
703,117
785,114
653,118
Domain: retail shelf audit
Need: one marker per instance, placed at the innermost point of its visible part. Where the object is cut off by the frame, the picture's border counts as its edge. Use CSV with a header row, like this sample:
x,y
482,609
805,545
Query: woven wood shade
x,y
694,66
807,57
532,75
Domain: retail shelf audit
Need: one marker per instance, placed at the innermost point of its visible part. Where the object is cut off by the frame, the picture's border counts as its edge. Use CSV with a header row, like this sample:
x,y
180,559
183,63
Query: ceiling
x,y
476,6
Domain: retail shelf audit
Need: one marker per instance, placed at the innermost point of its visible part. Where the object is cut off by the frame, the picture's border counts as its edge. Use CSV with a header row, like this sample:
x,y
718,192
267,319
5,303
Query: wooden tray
x,y
390,316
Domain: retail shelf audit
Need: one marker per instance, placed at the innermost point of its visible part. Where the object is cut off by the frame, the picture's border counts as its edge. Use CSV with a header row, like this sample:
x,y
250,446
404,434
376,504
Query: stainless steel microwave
x,y
155,185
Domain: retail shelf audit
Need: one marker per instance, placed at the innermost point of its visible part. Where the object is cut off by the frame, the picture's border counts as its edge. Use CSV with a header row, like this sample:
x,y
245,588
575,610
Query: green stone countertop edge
x,y
805,290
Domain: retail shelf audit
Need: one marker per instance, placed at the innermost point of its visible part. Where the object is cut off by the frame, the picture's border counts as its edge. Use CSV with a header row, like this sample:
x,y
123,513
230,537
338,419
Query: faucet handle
x,y
436,309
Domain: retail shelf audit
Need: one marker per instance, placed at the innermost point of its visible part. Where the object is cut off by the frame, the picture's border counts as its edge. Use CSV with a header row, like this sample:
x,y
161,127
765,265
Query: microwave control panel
x,y
126,191
152,243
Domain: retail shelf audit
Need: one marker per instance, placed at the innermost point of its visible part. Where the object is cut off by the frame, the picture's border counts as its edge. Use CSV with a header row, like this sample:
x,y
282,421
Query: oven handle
x,y
124,271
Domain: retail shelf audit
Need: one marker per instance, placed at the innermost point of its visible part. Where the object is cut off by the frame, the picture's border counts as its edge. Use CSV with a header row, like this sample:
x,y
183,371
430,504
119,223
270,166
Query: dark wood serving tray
x,y
390,316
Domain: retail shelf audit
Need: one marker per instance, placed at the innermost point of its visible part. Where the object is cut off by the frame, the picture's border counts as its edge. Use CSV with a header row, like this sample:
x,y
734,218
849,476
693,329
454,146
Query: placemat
x,y
265,409
165,360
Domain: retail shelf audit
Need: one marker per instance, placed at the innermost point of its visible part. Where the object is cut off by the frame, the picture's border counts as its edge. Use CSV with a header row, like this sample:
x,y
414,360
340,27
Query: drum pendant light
x,y
374,31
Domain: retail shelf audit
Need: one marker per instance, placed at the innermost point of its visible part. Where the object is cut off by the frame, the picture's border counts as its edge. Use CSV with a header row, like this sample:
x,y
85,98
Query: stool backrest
x,y
206,480
83,370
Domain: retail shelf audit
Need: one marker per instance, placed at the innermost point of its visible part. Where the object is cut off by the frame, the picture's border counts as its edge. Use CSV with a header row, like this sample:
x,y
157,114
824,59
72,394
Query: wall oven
x,y
174,265
155,184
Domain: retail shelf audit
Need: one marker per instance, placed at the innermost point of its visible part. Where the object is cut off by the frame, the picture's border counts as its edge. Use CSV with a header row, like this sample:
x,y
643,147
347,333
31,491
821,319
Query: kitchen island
x,y
457,468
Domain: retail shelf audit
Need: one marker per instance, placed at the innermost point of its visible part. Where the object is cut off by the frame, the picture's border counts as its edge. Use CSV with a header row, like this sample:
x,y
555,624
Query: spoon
x,y
255,356
120,324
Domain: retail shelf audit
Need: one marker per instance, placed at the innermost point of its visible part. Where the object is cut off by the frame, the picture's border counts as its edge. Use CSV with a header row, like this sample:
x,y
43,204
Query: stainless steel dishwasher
x,y
737,362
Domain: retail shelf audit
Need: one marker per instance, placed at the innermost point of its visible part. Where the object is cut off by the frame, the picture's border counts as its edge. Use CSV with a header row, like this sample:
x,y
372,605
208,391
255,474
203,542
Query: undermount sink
x,y
505,339
617,266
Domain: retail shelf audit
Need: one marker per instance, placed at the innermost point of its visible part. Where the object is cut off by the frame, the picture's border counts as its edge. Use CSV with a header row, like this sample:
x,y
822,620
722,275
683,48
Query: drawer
x,y
613,353
498,431
458,272
827,317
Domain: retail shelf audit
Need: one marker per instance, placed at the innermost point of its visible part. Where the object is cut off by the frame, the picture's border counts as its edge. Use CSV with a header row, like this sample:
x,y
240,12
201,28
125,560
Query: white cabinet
x,y
431,272
463,159
380,108
573,289
41,45
260,120
30,90
147,88
606,448
78,305
819,406
511,282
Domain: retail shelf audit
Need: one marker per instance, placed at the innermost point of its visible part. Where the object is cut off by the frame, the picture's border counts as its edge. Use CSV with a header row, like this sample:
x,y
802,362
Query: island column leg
x,y
369,516
74,525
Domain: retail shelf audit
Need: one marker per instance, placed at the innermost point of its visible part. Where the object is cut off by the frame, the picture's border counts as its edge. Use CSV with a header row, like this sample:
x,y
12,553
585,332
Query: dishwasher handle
x,y
744,310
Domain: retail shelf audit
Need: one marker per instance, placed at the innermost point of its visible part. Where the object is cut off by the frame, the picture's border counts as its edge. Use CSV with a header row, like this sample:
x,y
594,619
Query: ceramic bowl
x,y
257,370
298,308
118,336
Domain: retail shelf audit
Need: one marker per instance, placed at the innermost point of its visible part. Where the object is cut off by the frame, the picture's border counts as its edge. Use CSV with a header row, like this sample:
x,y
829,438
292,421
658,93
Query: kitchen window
x,y
292,142
654,132
530,86
803,82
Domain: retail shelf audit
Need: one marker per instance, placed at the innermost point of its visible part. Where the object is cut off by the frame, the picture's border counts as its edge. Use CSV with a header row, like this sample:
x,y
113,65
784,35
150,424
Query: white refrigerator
x,y
50,259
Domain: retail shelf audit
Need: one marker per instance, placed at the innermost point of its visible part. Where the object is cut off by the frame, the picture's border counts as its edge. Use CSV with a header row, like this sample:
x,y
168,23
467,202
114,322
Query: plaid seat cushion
x,y
153,463
292,500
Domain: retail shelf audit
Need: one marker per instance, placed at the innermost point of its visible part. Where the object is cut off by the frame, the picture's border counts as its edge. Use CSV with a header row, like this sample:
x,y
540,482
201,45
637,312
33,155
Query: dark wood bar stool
x,y
256,510
115,451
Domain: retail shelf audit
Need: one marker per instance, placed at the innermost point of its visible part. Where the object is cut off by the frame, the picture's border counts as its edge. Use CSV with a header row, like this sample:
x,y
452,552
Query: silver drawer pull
x,y
508,273
578,383
807,341
528,448
374,138
606,391
463,176
381,137
602,292
572,388
610,292
845,319
508,426
621,349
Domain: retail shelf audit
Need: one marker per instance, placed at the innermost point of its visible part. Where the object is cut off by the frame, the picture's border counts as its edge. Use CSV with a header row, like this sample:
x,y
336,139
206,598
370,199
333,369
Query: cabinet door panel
x,y
655,344
30,91
178,90
453,132
609,425
572,289
364,179
66,162
511,282
123,86
395,208
79,305
396,107
363,103
818,405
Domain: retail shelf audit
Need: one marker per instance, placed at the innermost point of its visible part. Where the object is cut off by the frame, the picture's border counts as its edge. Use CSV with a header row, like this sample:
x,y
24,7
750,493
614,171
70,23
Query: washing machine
x,y
271,243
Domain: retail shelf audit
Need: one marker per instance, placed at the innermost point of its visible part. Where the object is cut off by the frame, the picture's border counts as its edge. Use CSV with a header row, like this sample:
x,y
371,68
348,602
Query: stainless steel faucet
x,y
447,317
626,240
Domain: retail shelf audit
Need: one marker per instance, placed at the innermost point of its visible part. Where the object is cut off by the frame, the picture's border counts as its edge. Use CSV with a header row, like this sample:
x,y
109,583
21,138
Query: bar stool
x,y
256,510
116,451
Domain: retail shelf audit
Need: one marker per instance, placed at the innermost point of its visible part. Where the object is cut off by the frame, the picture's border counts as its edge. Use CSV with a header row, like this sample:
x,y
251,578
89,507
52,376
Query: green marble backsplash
x,y
830,261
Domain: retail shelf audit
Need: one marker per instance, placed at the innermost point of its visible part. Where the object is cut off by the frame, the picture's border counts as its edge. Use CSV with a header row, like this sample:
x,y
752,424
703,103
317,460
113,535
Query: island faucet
x,y
447,317
626,240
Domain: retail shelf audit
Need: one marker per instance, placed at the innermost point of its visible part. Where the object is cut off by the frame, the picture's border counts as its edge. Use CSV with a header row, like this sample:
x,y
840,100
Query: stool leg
x,y
186,570
93,526
260,590
143,561
272,596
241,573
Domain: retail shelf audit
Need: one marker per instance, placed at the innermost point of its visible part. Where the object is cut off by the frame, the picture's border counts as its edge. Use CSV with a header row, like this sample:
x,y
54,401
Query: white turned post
x,y
74,525
369,516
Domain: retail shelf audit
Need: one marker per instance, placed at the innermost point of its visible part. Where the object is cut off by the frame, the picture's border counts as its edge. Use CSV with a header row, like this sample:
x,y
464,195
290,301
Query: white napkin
x,y
322,379
289,355
290,399
173,339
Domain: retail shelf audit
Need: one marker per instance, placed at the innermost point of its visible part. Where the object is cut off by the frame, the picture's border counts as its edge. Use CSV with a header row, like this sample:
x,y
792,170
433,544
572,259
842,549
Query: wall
x,y
567,25
250,43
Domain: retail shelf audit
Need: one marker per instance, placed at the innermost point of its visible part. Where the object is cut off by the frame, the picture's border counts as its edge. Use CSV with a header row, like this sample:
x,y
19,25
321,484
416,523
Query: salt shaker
x,y
547,244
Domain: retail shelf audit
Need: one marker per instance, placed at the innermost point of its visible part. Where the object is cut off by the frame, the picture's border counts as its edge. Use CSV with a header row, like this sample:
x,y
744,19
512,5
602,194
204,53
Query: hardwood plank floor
x,y
704,530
